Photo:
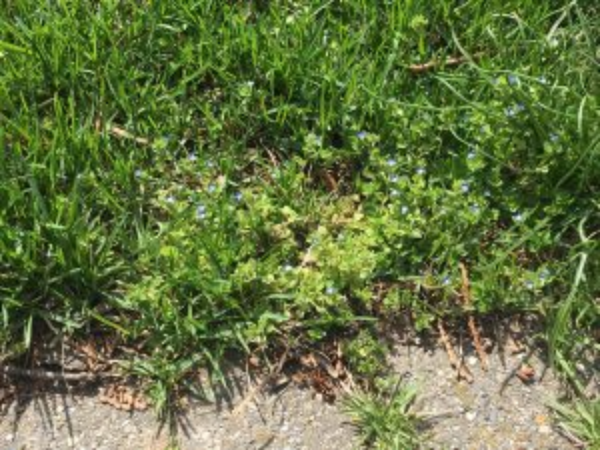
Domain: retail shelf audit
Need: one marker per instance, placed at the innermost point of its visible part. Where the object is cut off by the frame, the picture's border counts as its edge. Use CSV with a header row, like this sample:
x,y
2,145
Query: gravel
x,y
60,419
479,416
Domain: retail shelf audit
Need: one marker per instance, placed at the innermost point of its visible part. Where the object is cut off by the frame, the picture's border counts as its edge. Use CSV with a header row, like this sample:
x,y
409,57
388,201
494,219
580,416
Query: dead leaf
x,y
123,398
526,373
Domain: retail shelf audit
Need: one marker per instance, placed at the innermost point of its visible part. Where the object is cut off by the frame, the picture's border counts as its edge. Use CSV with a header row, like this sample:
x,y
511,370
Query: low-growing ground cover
x,y
201,177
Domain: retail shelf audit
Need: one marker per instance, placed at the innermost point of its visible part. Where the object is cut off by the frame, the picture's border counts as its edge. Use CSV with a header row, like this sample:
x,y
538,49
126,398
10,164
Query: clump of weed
x,y
384,420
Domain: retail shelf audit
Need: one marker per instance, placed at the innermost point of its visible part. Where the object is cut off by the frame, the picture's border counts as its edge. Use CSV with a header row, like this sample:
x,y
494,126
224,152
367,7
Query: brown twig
x,y
329,180
462,370
40,374
434,64
272,157
466,296
124,134
260,385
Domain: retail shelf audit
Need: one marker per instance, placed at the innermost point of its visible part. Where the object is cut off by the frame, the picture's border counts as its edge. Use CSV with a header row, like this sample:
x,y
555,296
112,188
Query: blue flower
x,y
330,290
510,112
404,210
192,157
544,275
361,135
288,268
464,187
421,171
553,137
475,209
529,284
391,162
518,217
446,280
238,196
520,107
201,212
394,193
543,80
170,199
513,80
210,164
394,178
471,155
211,188
138,173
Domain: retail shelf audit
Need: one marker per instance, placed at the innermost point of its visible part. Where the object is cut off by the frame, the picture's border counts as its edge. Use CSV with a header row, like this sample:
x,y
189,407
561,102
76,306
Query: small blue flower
x,y
513,80
238,196
543,80
421,171
529,284
446,280
330,290
210,164
391,162
464,187
518,217
394,178
553,137
520,107
510,112
192,157
475,209
394,193
362,135
495,81
201,212
288,268
544,275
487,193
170,199
211,188
471,155
138,173
404,210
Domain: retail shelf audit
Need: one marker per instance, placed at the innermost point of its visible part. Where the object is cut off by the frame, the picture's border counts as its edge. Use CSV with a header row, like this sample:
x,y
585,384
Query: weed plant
x,y
206,176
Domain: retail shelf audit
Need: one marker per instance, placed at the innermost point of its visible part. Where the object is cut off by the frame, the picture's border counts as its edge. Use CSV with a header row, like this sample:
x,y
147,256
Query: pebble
x,y
545,429
471,415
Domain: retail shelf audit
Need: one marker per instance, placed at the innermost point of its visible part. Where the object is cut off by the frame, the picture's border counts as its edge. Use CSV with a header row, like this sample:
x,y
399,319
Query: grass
x,y
385,421
581,422
202,177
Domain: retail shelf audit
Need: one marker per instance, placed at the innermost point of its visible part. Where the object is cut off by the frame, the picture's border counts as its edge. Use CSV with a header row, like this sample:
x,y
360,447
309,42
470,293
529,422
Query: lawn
x,y
205,178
